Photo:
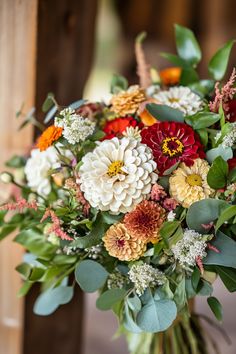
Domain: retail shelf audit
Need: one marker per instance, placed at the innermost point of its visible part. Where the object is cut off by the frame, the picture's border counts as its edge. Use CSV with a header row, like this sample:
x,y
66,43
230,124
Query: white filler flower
x,y
144,276
37,169
117,175
189,248
181,98
75,127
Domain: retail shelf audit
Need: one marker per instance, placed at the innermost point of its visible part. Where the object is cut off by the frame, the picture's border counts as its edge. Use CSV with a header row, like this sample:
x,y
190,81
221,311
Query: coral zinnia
x,y
48,137
121,244
189,184
117,126
145,221
172,142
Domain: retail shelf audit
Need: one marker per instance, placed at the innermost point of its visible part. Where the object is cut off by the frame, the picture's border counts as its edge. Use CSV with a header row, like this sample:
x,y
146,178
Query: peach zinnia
x,y
48,137
120,244
145,221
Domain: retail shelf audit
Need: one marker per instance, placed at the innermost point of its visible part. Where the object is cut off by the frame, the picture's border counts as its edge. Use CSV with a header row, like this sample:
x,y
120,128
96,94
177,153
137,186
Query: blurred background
x,y
72,48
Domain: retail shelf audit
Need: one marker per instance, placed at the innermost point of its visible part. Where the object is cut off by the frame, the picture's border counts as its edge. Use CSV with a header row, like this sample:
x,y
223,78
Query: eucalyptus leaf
x,y
118,83
225,153
165,113
90,275
218,63
51,113
157,315
77,104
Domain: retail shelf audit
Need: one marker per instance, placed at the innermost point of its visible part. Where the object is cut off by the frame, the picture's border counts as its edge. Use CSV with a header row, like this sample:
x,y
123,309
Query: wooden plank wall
x,y
17,77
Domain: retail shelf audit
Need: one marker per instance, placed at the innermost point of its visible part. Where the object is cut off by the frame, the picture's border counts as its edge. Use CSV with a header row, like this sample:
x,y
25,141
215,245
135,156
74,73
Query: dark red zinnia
x,y
232,163
231,110
117,126
172,142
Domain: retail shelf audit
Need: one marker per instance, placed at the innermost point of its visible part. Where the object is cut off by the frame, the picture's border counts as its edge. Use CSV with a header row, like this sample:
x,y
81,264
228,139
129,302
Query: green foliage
x,y
225,153
218,63
215,307
77,104
118,83
49,102
187,46
109,298
16,162
202,119
165,113
203,87
180,295
204,212
50,300
226,215
217,175
175,59
227,250
195,278
167,229
228,277
188,76
156,315
90,275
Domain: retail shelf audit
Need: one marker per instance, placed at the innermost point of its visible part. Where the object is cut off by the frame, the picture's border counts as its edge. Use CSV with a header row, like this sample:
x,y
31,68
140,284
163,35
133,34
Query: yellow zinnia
x,y
189,184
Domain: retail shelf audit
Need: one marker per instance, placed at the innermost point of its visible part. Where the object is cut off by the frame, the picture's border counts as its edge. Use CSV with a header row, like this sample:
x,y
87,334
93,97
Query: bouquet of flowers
x,y
135,199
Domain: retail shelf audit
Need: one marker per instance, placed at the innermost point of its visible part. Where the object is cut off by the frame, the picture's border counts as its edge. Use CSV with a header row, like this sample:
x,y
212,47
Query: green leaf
x,y
204,288
190,292
51,113
203,134
180,295
129,322
215,307
48,103
218,63
118,83
187,45
195,278
110,219
228,277
77,104
203,87
188,76
25,288
218,172
51,299
174,59
109,298
36,243
134,303
6,230
202,120
16,162
157,315
226,215
168,228
225,153
90,275
165,113
232,176
227,251
24,269
204,212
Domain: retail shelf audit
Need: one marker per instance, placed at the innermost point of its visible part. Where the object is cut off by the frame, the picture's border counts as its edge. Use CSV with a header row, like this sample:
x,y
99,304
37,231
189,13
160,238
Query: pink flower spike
x,y
213,248
56,225
207,226
20,205
157,192
200,264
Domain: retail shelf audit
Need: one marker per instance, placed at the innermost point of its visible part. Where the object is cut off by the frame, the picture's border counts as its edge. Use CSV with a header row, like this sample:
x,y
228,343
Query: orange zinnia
x,y
170,76
48,137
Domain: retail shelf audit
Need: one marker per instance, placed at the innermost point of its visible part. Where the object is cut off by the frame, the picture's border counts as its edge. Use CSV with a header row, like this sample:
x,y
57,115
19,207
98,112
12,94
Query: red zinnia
x,y
232,163
231,111
172,142
117,126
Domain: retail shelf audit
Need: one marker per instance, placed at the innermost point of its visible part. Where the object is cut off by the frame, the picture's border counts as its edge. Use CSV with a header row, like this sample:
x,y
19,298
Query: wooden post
x,y
45,46
17,83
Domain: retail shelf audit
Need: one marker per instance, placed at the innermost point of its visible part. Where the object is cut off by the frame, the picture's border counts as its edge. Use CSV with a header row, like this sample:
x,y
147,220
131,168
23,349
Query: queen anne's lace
x,y
144,276
230,139
117,175
75,128
190,248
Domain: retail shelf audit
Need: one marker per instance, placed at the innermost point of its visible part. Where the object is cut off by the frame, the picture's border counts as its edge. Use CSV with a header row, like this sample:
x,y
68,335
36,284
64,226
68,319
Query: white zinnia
x,y
75,127
37,169
181,98
117,175
189,248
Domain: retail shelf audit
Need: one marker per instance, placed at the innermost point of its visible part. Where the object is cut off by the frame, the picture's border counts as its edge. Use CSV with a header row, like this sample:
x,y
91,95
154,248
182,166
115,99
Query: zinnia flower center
x,y
194,180
173,100
115,168
172,146
120,243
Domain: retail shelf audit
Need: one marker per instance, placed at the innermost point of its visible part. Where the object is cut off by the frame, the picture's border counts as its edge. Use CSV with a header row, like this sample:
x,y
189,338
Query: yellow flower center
x,y
173,100
172,146
115,168
194,180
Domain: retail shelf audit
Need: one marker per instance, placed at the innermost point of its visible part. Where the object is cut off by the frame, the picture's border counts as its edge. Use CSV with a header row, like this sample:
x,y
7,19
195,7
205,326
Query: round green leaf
x,y
109,298
90,275
51,299
217,175
225,153
157,316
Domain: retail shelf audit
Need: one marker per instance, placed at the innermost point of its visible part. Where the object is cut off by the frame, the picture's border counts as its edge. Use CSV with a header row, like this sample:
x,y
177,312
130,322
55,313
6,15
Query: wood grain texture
x,y
17,77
